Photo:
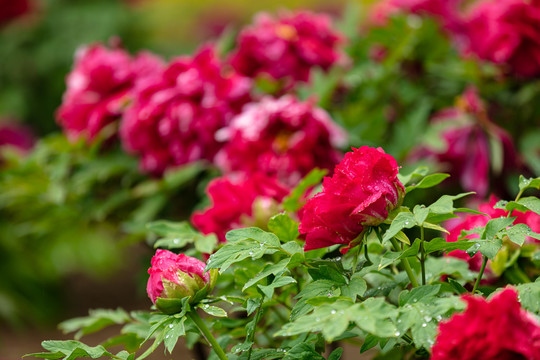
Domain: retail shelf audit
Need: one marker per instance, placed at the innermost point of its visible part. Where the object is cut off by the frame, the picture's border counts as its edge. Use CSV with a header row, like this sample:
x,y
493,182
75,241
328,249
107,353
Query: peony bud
x,y
174,277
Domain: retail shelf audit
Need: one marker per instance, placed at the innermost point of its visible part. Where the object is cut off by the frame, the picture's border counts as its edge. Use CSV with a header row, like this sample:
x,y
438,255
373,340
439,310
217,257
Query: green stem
x,y
422,256
207,334
484,263
252,335
368,260
405,264
355,259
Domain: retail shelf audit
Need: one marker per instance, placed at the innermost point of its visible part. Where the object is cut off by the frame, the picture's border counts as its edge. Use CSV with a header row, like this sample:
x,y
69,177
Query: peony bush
x,y
309,186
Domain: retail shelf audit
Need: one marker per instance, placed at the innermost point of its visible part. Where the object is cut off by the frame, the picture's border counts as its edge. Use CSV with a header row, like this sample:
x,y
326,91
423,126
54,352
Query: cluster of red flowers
x,y
505,32
202,107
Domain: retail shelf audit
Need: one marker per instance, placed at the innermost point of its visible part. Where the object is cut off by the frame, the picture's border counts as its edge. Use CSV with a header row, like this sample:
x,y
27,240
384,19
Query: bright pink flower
x,y
175,276
362,191
283,138
12,9
99,88
507,32
16,135
498,329
466,132
471,221
174,116
288,47
239,201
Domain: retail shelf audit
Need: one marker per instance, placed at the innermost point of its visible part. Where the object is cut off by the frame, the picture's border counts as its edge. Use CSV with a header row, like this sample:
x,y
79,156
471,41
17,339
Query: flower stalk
x,y
207,334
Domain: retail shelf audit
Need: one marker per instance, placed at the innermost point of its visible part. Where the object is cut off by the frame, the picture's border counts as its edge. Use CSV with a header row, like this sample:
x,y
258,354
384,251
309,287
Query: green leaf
x,y
316,288
529,296
531,203
95,321
213,310
369,342
489,248
401,221
420,214
428,182
70,349
269,269
172,332
438,244
268,290
242,244
425,293
292,202
525,183
495,225
445,204
284,227
390,256
336,354
303,351
419,172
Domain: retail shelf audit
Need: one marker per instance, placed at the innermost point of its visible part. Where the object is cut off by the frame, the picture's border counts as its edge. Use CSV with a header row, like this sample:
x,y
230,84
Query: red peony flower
x,y
506,32
466,152
471,221
175,115
283,138
99,88
239,201
17,136
288,47
498,329
176,276
362,191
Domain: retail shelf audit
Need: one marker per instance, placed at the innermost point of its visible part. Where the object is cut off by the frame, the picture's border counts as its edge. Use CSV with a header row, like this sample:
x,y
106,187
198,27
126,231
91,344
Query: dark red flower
x,y
12,9
283,138
175,115
466,152
498,329
99,88
239,200
362,191
506,32
288,47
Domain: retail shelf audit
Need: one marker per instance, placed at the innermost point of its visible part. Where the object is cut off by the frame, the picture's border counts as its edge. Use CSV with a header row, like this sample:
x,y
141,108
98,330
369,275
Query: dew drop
x,y
171,326
424,325
397,333
333,312
427,318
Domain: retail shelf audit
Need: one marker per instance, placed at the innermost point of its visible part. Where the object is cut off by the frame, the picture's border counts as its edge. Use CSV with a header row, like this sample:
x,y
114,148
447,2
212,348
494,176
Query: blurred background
x,y
73,215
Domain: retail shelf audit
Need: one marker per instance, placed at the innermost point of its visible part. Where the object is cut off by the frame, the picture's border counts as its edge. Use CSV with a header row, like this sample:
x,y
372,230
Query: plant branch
x,y
405,264
207,334
484,263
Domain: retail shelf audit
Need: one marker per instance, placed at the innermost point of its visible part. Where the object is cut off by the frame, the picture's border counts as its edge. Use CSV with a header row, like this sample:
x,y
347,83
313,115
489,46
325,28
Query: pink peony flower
x,y
466,132
99,88
17,136
506,32
498,329
176,276
288,47
239,200
471,221
283,138
12,9
362,191
175,115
